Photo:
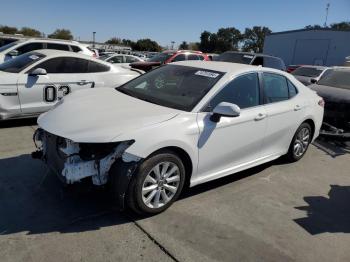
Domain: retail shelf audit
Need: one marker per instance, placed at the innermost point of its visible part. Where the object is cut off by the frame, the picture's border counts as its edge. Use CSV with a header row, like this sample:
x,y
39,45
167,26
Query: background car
x,y
20,47
309,74
252,59
34,82
291,68
121,59
189,121
334,87
169,57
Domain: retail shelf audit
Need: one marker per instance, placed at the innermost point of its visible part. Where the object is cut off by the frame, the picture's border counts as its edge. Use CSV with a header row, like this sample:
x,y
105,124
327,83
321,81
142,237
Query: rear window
x,y
57,46
75,48
307,71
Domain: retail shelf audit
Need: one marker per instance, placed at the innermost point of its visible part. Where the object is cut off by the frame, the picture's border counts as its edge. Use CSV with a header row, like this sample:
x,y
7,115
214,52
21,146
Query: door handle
x,y
83,82
297,108
260,116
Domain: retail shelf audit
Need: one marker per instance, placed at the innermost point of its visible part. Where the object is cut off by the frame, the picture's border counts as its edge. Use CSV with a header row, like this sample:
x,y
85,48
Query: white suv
x,y
20,47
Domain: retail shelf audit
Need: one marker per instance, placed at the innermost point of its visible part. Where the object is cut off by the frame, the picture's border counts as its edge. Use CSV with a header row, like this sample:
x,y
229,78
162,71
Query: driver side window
x,y
243,91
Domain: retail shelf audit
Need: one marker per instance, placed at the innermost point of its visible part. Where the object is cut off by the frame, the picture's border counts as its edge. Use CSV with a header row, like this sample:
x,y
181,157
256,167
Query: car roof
x,y
50,40
314,66
225,67
56,53
252,54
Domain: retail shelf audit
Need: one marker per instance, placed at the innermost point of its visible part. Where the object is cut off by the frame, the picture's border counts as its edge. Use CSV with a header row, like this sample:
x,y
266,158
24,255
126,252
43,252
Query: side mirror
x,y
38,72
13,53
225,109
313,81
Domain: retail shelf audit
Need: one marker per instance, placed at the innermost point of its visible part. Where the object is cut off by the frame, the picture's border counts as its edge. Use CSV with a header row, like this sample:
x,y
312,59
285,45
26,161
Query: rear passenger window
x,y
29,47
180,57
64,65
275,88
130,59
242,91
57,47
97,67
292,89
75,48
193,57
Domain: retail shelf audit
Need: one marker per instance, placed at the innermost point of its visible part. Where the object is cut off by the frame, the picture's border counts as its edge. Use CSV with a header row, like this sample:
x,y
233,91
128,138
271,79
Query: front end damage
x,y
73,162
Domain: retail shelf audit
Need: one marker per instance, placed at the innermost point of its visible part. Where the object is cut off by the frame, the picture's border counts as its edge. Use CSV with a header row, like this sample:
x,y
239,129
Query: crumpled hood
x,y
333,94
101,115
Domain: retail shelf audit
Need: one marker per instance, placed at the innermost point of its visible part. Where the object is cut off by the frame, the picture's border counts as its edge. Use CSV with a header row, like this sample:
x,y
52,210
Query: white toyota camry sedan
x,y
187,122
34,82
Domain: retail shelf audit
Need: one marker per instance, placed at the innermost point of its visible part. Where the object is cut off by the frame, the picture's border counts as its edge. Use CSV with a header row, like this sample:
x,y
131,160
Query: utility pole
x,y
93,39
327,10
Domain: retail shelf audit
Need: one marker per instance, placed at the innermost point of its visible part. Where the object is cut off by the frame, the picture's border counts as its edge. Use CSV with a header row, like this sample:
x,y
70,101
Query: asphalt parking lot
x,y
275,212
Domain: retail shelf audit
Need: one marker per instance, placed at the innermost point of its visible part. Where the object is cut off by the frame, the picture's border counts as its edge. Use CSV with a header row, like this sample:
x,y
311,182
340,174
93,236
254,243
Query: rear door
x,y
284,110
64,75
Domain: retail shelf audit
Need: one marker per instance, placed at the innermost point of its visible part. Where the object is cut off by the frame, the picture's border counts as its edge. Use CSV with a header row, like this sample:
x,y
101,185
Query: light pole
x,y
172,45
93,39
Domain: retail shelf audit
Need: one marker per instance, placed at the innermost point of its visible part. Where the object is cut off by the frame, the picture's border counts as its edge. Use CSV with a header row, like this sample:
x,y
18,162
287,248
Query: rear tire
x,y
300,143
157,184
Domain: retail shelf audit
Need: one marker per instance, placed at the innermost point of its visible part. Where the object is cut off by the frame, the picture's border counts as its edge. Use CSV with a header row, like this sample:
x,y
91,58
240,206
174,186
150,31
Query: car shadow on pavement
x,y
33,201
324,214
18,123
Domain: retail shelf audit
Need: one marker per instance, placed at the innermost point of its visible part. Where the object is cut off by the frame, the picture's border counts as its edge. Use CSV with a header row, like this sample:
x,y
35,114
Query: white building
x,y
309,47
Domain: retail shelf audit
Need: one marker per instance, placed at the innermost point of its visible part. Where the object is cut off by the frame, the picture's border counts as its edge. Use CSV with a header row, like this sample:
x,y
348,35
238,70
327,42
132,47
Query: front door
x,y
38,94
233,142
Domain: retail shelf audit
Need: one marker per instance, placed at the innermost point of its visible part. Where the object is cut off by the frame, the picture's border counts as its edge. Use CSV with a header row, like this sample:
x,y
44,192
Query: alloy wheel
x,y
161,184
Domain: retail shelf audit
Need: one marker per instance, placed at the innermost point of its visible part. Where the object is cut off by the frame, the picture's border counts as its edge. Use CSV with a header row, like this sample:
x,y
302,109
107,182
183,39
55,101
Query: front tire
x,y
157,184
300,142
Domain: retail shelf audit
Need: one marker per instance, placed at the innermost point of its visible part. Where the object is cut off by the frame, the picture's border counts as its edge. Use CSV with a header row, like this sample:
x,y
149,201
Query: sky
x,y
165,21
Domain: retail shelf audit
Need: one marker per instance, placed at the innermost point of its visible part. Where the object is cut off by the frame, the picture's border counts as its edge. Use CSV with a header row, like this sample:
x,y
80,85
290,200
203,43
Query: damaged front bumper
x,y
73,162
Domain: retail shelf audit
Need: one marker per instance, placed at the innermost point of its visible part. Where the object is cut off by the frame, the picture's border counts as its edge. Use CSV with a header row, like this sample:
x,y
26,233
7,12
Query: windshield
x,y
5,47
307,71
339,78
179,87
21,62
162,57
235,58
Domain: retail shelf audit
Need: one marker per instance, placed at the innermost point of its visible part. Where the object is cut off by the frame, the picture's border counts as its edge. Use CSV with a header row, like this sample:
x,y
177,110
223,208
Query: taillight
x,y
321,102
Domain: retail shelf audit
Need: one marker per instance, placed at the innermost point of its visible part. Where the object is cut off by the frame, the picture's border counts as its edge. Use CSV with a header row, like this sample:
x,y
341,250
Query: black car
x,y
334,88
252,59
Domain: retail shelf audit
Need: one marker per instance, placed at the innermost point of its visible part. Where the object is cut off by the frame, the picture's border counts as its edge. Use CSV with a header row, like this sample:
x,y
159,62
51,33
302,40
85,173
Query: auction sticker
x,y
207,74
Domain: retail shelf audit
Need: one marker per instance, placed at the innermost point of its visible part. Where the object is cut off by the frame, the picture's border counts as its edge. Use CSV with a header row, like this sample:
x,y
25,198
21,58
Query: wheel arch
x,y
183,155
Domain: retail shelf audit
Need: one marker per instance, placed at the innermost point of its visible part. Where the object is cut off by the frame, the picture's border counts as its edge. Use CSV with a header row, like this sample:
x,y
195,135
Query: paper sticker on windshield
x,y
207,74
34,57
248,56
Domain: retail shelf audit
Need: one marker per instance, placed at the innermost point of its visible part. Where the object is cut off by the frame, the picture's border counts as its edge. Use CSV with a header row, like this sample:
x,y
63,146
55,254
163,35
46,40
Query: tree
x,y
27,31
313,27
184,46
128,42
341,26
8,30
61,34
114,41
253,40
146,45
227,39
193,46
204,44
